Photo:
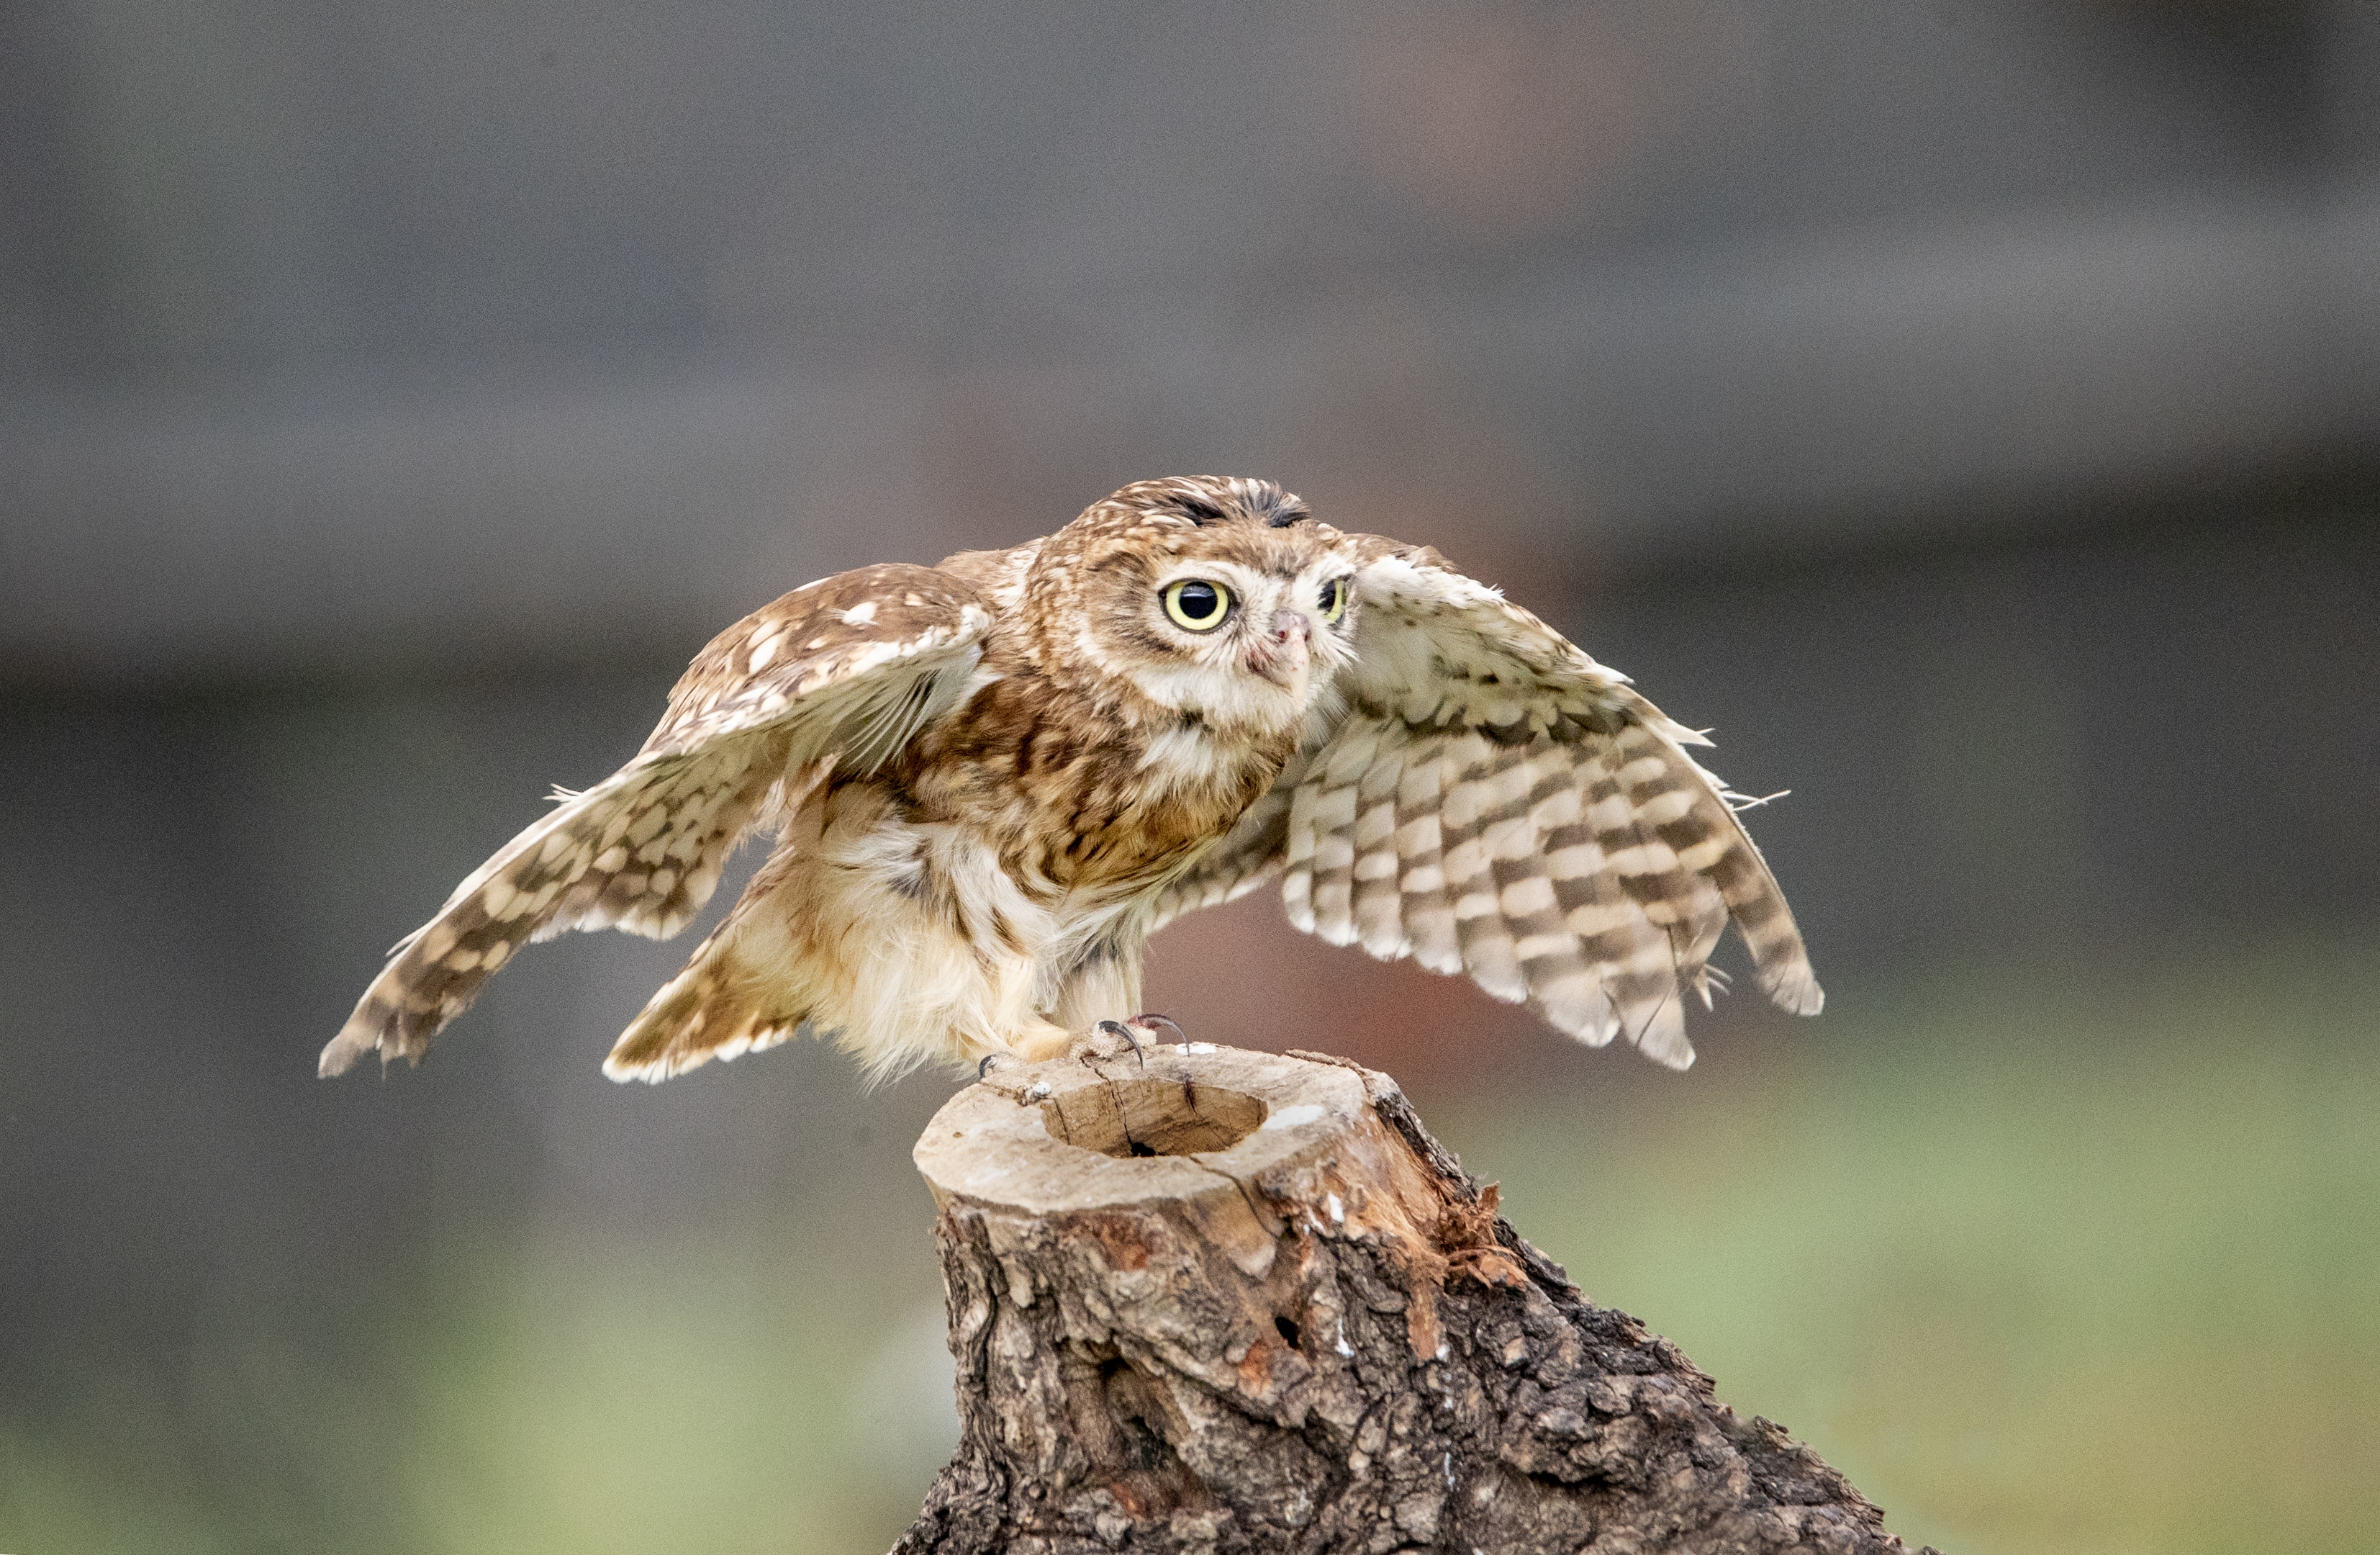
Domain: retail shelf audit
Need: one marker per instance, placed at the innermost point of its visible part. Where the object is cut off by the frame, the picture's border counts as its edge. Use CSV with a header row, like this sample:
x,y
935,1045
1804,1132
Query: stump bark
x,y
1244,1302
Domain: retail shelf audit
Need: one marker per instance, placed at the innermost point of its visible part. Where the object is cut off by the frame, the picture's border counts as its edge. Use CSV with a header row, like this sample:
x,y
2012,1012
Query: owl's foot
x,y
1122,1029
985,1067
1047,1042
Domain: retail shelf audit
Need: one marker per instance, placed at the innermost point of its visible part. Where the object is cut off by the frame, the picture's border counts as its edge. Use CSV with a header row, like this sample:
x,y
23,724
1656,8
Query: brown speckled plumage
x,y
992,780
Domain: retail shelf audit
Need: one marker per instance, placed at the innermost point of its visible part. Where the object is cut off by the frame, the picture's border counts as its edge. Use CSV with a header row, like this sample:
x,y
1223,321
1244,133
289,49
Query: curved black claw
x,y
985,1067
1120,1030
1150,1022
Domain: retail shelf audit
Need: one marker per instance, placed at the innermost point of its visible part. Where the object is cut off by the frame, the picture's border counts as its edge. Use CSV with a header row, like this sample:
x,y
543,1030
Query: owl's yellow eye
x,y
1333,601
1197,605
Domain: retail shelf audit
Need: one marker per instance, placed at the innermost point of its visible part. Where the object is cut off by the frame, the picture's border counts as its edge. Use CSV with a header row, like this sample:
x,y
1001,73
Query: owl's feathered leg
x,y
1045,1043
1061,1043
1089,1009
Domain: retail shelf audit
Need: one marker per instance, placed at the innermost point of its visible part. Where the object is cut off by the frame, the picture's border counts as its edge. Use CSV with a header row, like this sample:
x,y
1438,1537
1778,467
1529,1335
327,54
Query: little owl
x,y
992,780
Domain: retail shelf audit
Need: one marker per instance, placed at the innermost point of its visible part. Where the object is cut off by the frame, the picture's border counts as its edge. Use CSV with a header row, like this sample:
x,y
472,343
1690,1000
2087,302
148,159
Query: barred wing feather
x,y
1496,803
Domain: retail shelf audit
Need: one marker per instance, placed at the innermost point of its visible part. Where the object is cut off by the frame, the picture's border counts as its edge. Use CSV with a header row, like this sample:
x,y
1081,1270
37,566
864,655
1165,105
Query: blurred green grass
x,y
2046,1259
712,1390
2044,1263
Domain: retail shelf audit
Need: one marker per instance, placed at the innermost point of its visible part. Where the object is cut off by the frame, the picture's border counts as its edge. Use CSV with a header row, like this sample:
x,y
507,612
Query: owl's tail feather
x,y
641,851
705,1011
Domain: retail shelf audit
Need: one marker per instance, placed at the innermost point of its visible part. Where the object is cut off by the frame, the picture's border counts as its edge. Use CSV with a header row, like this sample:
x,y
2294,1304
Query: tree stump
x,y
1244,1302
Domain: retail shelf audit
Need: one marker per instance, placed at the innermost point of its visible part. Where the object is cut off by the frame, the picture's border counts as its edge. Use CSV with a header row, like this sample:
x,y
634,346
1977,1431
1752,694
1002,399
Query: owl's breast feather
x,y
1080,795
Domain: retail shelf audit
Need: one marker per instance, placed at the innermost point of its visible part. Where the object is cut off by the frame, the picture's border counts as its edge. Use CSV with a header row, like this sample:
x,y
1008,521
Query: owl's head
x,y
1219,598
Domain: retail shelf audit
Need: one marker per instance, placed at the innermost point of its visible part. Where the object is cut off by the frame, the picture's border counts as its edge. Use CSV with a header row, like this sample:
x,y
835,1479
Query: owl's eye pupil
x,y
1196,605
1334,598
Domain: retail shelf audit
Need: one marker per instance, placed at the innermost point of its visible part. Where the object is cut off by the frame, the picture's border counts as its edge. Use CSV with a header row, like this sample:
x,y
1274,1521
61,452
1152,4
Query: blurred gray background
x,y
1971,409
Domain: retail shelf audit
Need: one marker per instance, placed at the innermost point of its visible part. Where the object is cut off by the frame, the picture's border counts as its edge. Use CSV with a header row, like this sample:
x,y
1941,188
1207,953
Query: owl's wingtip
x,y
651,1072
1660,1033
340,1053
377,1026
1795,991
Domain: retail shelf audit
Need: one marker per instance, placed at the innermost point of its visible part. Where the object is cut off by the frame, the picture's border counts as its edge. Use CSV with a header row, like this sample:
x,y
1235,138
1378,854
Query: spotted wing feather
x,y
708,1010
840,672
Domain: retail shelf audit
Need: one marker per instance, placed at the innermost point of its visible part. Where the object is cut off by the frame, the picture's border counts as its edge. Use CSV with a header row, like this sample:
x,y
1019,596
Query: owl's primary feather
x,y
993,779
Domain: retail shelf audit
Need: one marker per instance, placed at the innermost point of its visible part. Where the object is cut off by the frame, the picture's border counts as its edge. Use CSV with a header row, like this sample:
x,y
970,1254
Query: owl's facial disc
x,y
1279,650
1244,641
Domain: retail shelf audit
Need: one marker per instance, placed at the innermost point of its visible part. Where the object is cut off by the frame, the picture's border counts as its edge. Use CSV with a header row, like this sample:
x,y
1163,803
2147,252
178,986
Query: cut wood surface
x,y
1243,1302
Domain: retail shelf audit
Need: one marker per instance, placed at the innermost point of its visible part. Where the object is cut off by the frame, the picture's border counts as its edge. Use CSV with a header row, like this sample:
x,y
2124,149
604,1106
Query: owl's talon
x,y
1149,1022
985,1067
1124,1032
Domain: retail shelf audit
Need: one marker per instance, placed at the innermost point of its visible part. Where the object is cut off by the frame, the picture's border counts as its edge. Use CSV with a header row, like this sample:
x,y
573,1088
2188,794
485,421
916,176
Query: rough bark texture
x,y
1244,1302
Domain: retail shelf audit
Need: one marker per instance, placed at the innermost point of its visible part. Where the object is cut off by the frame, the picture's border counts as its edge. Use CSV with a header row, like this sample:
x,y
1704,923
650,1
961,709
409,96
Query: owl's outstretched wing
x,y
838,673
1493,801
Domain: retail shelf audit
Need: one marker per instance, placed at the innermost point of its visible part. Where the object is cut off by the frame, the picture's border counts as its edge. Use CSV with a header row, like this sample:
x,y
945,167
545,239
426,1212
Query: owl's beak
x,y
1281,652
